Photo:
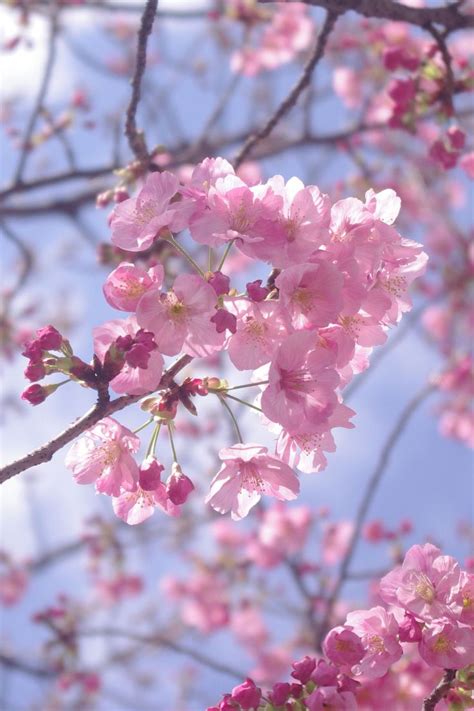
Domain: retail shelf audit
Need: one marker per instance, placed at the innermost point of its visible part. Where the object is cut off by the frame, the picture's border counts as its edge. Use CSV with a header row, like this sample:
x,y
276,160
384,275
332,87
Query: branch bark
x,y
450,16
103,408
440,691
135,137
291,99
371,488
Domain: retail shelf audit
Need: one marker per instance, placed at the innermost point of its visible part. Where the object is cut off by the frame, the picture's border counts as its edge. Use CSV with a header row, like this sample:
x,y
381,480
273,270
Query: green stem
x,y
242,402
173,448
154,439
145,424
186,255
224,256
209,259
232,416
248,385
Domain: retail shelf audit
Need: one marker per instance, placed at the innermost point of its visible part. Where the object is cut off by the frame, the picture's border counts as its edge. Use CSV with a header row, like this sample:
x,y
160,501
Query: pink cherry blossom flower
x,y
343,647
234,211
300,395
378,630
299,227
14,580
329,697
132,380
247,472
181,318
103,454
260,329
425,584
247,695
449,645
137,505
137,221
311,293
125,286
466,596
336,539
285,529
178,486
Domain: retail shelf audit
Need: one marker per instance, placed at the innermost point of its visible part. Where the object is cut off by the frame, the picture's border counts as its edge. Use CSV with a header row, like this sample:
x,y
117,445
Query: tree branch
x,y
159,641
371,488
440,691
135,137
103,408
450,16
295,92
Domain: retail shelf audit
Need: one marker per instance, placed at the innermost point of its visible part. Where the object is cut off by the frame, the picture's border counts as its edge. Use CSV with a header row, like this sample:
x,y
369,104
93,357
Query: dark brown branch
x,y
447,59
24,667
103,408
429,704
135,137
449,16
291,99
371,489
43,90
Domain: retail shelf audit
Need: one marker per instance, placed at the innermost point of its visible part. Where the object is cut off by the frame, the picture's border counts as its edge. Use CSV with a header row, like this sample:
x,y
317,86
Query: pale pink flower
x,y
125,286
137,221
130,380
467,164
103,454
449,645
378,630
248,626
181,318
14,581
301,395
234,211
260,329
247,472
149,493
300,224
119,587
285,529
335,541
425,584
306,450
311,293
466,596
347,85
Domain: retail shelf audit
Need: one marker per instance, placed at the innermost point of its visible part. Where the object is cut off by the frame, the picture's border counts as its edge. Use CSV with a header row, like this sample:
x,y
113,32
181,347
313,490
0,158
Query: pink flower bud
x,y
280,693
256,291
247,695
150,474
410,629
303,669
220,283
35,394
325,674
178,486
34,371
49,338
224,321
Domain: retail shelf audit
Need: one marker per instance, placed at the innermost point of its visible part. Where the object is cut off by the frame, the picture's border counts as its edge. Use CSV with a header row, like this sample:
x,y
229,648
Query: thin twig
x,y
135,137
440,691
447,59
291,99
371,488
43,90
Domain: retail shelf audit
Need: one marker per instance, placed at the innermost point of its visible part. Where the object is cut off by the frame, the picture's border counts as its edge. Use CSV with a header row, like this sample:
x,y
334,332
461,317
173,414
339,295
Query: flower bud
x,y
178,486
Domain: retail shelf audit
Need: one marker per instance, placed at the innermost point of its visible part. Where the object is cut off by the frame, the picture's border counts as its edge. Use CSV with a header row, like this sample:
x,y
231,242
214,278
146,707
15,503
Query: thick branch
x,y
102,408
449,16
24,667
135,137
440,691
371,488
295,92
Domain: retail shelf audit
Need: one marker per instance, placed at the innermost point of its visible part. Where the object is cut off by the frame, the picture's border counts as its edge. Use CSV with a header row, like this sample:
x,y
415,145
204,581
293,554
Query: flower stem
x,y
248,385
173,448
142,427
242,402
154,439
224,256
186,255
232,416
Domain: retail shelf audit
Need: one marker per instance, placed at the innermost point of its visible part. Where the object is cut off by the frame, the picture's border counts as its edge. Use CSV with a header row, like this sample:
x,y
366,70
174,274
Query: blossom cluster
x,y
339,279
429,601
